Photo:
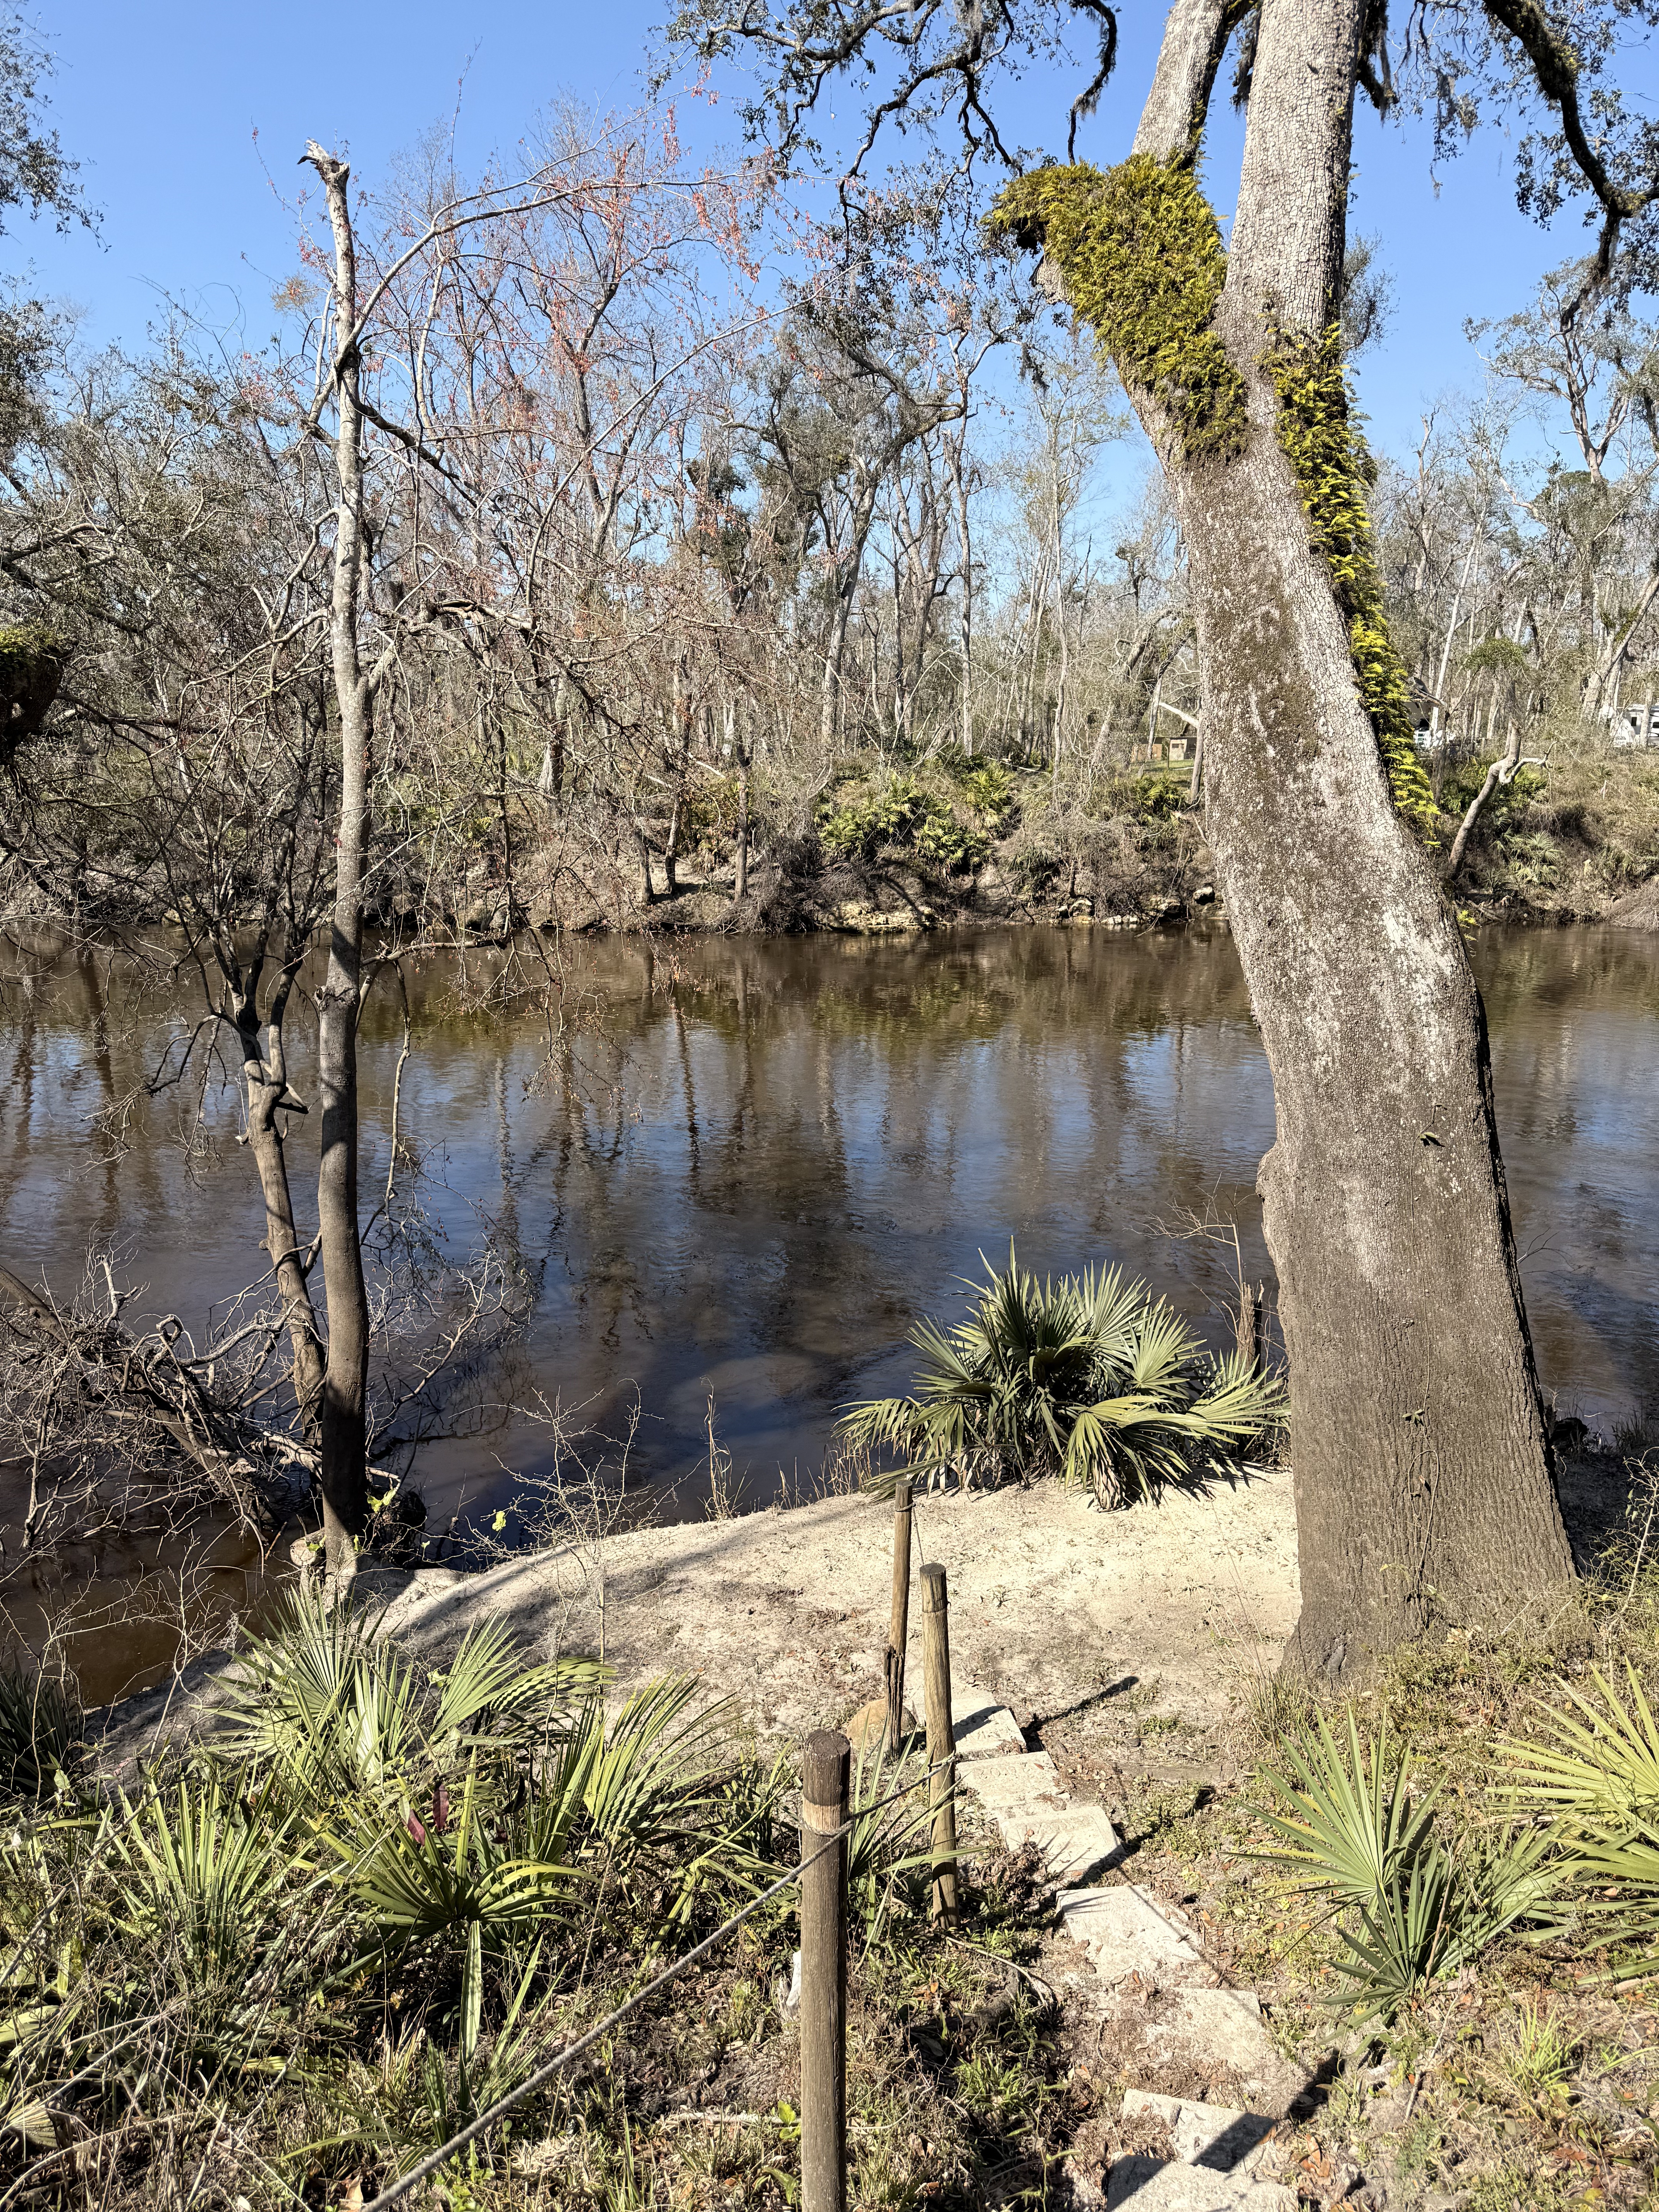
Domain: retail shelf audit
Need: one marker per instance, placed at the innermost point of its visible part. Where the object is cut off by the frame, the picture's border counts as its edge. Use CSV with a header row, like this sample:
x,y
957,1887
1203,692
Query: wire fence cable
x,y
396,2191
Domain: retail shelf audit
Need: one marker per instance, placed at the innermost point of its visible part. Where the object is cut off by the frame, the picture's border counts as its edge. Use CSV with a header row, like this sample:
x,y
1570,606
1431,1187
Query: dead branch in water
x,y
116,1434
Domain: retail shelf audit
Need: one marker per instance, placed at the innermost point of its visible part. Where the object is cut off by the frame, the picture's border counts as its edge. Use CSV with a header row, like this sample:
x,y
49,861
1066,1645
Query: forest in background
x,y
693,596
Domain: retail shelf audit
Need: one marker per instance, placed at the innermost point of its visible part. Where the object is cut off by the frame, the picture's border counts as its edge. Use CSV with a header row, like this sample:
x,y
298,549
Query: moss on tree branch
x,y
1140,252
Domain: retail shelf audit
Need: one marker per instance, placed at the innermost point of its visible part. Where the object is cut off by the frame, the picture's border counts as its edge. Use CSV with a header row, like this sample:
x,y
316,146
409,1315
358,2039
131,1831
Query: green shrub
x,y
941,838
1596,1770
989,790
902,815
40,1733
1464,779
1160,798
334,1707
1410,1908
1090,1378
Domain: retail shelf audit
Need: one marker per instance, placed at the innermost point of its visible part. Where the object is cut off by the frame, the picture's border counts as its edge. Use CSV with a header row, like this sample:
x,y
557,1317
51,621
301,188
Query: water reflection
x,y
771,1155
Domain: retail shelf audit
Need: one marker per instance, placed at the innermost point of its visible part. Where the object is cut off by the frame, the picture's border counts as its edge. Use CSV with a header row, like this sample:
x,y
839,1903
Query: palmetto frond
x,y
1111,1305
655,1771
1089,1378
329,1703
1601,1772
1165,1349
1409,1907
196,1864
1598,1775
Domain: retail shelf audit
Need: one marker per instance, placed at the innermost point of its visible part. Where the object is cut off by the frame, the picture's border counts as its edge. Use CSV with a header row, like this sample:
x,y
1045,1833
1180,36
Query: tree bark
x,y
954,458
740,750
847,583
671,851
1423,1482
342,1474
266,1077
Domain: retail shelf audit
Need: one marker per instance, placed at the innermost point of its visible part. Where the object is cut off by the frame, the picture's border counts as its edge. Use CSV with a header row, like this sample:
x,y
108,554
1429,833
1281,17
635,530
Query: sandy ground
x,y
1186,1603
1117,1639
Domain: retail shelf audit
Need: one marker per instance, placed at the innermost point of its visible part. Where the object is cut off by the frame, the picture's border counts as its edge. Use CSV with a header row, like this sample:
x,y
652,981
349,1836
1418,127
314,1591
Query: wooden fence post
x,y
823,1974
899,1626
941,1739
1247,1327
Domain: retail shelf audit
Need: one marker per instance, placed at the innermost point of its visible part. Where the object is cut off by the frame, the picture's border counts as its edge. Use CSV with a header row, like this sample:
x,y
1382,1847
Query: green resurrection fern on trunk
x,y
1322,442
1139,249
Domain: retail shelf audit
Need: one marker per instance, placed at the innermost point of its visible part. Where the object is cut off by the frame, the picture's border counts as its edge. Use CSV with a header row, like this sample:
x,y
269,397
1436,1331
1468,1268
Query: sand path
x,y
1051,1601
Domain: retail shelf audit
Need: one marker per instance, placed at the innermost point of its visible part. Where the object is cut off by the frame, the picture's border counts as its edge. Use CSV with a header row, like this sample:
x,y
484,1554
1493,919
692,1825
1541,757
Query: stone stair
x,y
1151,1978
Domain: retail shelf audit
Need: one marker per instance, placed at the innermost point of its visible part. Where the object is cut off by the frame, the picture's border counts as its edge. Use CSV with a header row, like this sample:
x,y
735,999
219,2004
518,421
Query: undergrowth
x,y
283,1967
1446,1890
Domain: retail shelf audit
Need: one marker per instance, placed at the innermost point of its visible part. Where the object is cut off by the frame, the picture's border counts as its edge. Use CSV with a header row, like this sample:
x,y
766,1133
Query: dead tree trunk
x,y
342,1474
1500,774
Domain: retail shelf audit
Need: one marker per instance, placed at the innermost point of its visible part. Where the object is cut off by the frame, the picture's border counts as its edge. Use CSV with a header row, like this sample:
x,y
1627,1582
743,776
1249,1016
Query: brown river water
x,y
767,1156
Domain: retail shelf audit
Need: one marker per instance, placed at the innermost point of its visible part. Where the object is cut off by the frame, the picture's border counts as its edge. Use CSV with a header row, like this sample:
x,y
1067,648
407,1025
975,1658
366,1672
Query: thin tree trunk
x,y
846,586
739,751
342,1474
1059,619
266,1076
1423,1480
506,821
1451,632
551,782
1613,660
672,848
965,617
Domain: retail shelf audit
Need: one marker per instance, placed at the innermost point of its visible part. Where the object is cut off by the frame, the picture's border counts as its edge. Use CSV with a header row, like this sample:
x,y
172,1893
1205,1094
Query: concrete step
x,y
1030,1782
1029,1803
1126,1931
982,1727
1218,2027
1076,1840
1147,2184
1214,2135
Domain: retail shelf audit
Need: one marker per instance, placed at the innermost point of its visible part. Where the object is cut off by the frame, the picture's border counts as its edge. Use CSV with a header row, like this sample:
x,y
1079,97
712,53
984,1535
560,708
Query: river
x,y
750,1164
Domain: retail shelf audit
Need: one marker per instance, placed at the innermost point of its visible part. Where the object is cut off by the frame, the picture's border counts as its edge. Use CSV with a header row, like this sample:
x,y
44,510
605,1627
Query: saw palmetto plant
x,y
1595,1772
1410,1904
1090,1378
332,1705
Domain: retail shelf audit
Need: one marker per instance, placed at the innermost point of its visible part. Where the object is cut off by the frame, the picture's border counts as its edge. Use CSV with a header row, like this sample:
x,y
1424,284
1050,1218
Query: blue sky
x,y
162,103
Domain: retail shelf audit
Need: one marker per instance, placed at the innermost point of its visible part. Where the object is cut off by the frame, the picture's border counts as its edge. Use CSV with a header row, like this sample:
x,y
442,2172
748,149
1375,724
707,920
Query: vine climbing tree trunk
x,y
343,1430
1423,1480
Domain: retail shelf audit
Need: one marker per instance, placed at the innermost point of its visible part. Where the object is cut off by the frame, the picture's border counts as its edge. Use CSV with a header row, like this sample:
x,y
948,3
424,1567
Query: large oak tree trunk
x,y
343,1474
1424,1488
